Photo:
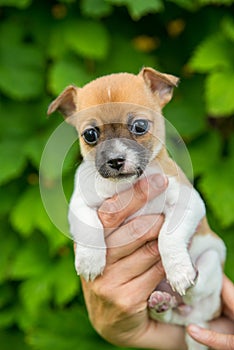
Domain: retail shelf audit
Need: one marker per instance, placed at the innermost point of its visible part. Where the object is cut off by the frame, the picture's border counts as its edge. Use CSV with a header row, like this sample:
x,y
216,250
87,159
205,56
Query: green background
x,y
46,45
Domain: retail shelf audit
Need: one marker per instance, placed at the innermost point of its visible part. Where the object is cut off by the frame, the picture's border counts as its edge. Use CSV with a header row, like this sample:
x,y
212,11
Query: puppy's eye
x,y
139,127
91,135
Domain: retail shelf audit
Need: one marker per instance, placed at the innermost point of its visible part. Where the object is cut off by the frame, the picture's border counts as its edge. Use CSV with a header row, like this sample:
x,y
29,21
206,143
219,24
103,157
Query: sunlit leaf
x,y
88,38
139,8
36,217
219,93
95,8
214,52
66,72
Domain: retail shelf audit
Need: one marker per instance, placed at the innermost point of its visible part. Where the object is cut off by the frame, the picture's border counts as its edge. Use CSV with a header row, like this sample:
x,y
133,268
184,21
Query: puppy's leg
x,y
209,281
183,211
87,232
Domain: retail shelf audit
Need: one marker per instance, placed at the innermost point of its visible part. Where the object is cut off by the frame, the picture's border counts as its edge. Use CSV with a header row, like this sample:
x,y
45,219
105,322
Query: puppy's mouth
x,y
117,170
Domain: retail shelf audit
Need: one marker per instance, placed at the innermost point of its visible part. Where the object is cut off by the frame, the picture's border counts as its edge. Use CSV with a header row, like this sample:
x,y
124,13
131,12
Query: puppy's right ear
x,y
66,102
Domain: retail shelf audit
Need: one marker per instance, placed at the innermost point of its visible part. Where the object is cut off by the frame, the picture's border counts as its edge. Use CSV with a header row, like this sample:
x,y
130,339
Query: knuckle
x,y
139,192
107,212
151,248
137,227
159,269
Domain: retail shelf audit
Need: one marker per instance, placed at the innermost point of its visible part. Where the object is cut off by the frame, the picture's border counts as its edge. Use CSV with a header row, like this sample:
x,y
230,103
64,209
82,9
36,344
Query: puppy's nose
x,y
116,163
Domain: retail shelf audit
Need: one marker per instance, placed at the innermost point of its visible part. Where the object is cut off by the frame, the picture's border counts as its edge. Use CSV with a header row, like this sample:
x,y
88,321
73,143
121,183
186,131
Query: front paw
x,y
182,278
90,262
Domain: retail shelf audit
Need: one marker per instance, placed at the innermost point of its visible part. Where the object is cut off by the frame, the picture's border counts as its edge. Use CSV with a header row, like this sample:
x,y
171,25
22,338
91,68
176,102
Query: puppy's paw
x,y
182,278
90,262
160,306
161,301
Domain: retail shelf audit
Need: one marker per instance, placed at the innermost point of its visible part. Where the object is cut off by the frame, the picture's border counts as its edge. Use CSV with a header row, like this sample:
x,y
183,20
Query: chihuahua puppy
x,y
122,139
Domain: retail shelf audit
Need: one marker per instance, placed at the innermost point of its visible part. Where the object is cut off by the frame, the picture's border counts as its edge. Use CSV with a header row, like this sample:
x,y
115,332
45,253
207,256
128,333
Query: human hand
x,y
221,334
117,300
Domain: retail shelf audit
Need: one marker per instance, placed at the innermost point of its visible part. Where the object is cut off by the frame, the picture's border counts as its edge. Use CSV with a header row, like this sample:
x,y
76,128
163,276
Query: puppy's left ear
x,y
160,84
66,102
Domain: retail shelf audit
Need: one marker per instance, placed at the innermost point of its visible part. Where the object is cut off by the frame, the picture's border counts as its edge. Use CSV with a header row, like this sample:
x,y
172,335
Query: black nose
x,y
116,163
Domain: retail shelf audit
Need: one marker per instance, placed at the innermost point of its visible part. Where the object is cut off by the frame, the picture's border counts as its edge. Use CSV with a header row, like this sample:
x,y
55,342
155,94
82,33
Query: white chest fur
x,y
181,204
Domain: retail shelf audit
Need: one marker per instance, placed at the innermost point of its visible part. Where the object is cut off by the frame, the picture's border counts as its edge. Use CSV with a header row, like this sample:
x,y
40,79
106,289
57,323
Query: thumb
x,y
214,340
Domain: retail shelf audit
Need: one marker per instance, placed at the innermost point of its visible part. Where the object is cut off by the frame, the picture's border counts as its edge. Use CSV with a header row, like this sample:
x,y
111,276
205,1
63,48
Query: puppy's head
x,y
118,119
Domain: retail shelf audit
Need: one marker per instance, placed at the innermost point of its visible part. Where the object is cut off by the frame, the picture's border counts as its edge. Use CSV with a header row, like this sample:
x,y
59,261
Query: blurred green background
x,y
46,45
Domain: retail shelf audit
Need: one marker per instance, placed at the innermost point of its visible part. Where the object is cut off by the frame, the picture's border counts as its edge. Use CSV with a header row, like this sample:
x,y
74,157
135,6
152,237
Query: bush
x,y
46,45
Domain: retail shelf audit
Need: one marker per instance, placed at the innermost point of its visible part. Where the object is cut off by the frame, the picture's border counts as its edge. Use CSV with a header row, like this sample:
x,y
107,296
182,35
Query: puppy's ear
x,y
66,102
160,84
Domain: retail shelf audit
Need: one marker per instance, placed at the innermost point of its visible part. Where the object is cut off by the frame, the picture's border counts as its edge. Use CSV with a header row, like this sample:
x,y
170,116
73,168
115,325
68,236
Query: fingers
x,y
138,256
129,237
211,338
128,202
135,264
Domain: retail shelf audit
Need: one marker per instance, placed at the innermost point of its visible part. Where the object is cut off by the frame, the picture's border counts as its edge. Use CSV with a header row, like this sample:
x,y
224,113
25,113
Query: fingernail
x,y
157,181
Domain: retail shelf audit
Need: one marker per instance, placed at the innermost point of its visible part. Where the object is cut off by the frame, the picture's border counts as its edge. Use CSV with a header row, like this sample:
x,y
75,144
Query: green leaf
x,y
213,53
66,72
229,263
13,339
217,2
189,121
20,78
124,57
219,93
139,8
187,4
25,217
12,160
22,120
60,144
9,246
215,186
207,144
6,293
64,279
35,293
65,329
95,8
88,38
227,25
31,260
16,3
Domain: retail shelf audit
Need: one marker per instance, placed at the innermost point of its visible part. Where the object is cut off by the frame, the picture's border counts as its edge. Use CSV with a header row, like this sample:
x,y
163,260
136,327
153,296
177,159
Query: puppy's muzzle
x,y
121,158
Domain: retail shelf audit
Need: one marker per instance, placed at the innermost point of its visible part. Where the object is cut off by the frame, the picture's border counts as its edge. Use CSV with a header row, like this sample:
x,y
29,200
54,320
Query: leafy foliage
x,y
47,45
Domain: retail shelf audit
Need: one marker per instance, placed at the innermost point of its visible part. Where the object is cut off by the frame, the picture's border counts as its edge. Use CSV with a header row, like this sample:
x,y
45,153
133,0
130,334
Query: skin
x,y
219,340
117,300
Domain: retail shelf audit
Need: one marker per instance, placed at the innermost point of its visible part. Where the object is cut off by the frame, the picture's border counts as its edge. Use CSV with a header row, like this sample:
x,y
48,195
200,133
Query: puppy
x,y
122,138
